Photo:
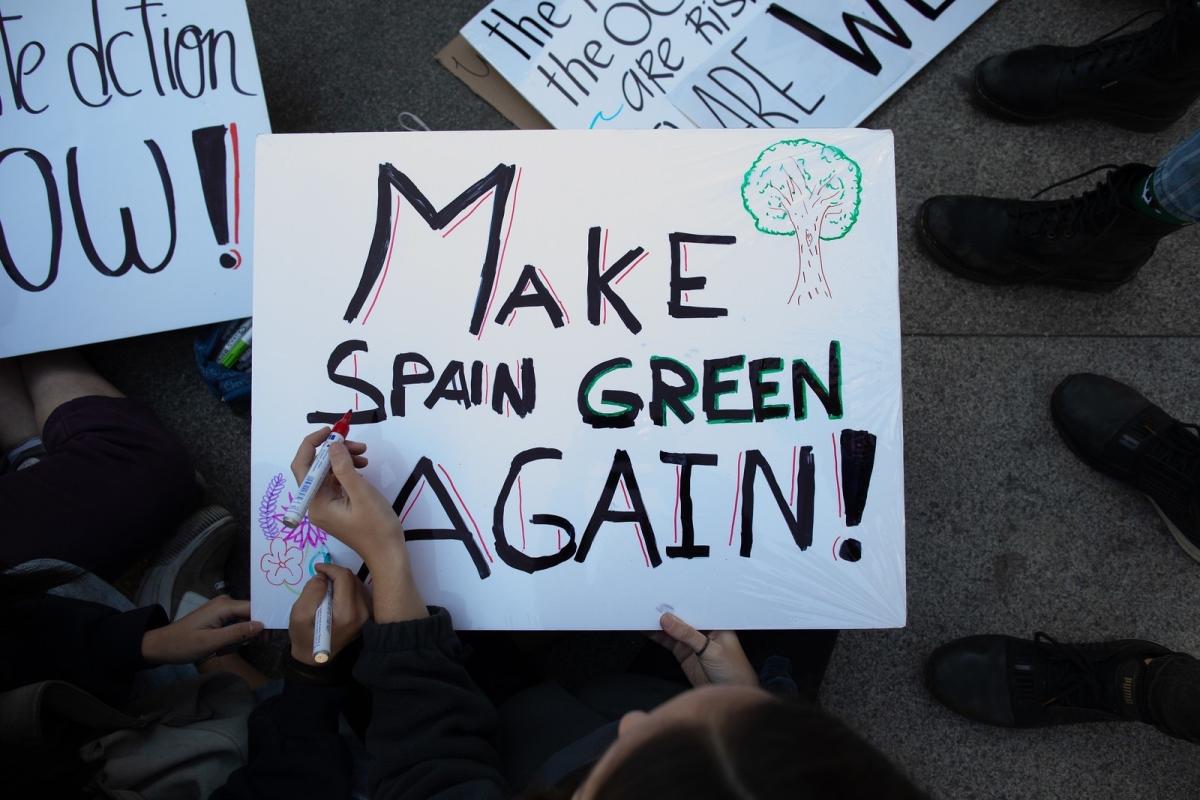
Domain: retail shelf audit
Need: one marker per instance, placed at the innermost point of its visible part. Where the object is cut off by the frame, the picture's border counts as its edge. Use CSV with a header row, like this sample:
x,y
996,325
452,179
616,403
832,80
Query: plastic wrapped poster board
x,y
127,168
600,374
717,64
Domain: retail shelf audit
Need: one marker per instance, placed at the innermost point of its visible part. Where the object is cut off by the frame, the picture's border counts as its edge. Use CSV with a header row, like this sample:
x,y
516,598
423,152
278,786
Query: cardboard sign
x,y
600,375
126,161
725,63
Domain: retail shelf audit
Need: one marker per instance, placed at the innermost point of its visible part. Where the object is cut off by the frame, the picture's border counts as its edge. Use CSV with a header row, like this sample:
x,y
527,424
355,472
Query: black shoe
x,y
1018,683
1143,81
1116,430
1096,241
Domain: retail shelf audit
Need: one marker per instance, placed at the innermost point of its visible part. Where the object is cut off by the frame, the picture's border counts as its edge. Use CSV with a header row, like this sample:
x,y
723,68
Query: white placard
x,y
127,167
438,285
725,63
827,64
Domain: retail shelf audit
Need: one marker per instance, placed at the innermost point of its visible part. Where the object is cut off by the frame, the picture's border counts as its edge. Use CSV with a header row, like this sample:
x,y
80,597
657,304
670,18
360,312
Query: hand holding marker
x,y
323,622
316,473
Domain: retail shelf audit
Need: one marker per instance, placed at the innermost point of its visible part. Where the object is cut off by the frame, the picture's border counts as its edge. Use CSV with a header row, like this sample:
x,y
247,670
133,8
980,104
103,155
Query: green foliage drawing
x,y
809,190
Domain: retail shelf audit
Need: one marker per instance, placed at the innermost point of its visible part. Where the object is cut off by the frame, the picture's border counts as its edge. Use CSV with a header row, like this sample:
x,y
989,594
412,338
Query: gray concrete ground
x,y
1007,532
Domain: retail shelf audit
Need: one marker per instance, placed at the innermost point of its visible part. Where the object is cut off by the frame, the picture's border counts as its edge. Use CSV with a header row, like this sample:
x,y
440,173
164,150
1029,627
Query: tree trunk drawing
x,y
809,190
810,268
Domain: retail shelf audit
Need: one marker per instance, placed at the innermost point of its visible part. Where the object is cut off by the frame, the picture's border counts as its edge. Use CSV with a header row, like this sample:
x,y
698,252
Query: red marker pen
x,y
316,473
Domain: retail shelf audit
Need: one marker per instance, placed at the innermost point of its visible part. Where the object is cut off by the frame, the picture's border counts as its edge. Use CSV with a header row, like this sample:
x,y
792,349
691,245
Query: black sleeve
x,y
95,647
432,730
295,747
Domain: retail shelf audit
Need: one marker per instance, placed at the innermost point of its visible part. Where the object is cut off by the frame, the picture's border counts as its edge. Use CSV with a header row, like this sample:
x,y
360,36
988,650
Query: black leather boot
x,y
1096,241
1143,81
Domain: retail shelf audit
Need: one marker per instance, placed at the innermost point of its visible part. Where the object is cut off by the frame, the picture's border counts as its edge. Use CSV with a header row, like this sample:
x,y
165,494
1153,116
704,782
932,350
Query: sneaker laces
x,y
1174,460
1155,41
1071,677
1064,218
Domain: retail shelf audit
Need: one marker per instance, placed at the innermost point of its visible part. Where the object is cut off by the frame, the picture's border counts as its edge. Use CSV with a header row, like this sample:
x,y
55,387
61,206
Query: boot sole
x,y
953,265
1126,120
1188,546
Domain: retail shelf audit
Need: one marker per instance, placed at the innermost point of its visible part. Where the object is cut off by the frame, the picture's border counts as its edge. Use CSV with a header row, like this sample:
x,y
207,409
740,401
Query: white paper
x,y
774,75
138,135
317,216
726,63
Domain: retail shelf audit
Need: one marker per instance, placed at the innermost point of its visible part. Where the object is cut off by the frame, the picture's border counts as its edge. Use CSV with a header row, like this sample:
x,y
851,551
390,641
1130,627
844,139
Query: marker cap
x,y
342,426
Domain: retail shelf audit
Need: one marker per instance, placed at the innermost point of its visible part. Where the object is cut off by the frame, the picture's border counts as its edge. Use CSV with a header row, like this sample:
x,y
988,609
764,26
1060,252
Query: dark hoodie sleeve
x,y
432,730
296,749
95,647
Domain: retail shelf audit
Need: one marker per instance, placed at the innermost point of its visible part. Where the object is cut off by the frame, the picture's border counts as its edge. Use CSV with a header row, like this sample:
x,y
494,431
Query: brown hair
x,y
773,749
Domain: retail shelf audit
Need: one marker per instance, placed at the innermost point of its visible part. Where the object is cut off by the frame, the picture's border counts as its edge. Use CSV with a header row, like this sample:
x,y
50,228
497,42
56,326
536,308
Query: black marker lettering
x,y
340,354
688,547
500,179
621,470
511,555
598,282
680,284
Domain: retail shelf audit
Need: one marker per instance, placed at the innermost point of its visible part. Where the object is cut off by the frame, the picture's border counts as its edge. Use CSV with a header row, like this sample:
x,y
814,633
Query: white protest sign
x,y
127,167
722,63
602,64
599,374
820,64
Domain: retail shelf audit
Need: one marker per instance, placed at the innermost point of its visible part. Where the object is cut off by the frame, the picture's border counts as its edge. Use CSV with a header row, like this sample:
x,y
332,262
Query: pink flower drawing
x,y
282,563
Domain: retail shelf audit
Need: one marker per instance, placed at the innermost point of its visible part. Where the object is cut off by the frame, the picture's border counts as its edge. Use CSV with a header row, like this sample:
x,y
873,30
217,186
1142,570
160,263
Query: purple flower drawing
x,y
270,518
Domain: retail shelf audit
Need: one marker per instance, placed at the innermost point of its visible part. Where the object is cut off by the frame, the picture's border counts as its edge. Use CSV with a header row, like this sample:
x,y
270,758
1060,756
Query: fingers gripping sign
x,y
717,658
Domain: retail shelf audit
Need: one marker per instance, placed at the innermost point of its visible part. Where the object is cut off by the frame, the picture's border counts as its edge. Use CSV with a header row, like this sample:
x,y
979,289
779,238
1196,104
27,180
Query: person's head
x,y
738,743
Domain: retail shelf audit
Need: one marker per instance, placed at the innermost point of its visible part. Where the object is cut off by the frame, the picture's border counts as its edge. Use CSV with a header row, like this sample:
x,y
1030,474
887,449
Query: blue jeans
x,y
1176,181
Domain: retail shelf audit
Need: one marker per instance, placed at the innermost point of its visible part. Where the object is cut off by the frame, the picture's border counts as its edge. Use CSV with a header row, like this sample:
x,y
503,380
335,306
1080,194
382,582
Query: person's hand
x,y
717,658
351,610
221,622
346,504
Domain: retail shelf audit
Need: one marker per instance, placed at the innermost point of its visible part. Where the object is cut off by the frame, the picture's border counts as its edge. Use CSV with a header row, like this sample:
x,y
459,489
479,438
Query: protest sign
x,y
600,375
716,63
126,160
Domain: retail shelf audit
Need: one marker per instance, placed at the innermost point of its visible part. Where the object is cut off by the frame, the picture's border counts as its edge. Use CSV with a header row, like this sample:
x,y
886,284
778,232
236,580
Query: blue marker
x,y
323,624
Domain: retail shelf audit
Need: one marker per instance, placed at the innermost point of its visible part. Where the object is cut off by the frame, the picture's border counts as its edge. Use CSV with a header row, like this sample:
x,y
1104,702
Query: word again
x,y
793,500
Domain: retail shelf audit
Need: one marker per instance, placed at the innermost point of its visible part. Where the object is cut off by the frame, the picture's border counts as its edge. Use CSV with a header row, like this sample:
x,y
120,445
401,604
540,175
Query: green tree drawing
x,y
809,190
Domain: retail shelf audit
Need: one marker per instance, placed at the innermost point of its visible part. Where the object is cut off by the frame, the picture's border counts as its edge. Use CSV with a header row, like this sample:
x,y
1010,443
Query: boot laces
x,y
1173,466
1071,678
1153,42
1089,211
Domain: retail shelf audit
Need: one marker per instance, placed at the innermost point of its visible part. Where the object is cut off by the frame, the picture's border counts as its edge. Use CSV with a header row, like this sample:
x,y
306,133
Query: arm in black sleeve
x,y
295,747
432,730
93,646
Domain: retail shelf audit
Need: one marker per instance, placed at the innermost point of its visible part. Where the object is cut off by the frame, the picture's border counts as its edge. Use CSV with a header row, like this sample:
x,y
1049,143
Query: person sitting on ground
x,y
434,734
87,475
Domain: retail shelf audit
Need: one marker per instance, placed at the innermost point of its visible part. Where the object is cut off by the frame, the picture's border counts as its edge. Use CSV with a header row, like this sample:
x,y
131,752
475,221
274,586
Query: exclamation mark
x,y
858,462
212,161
